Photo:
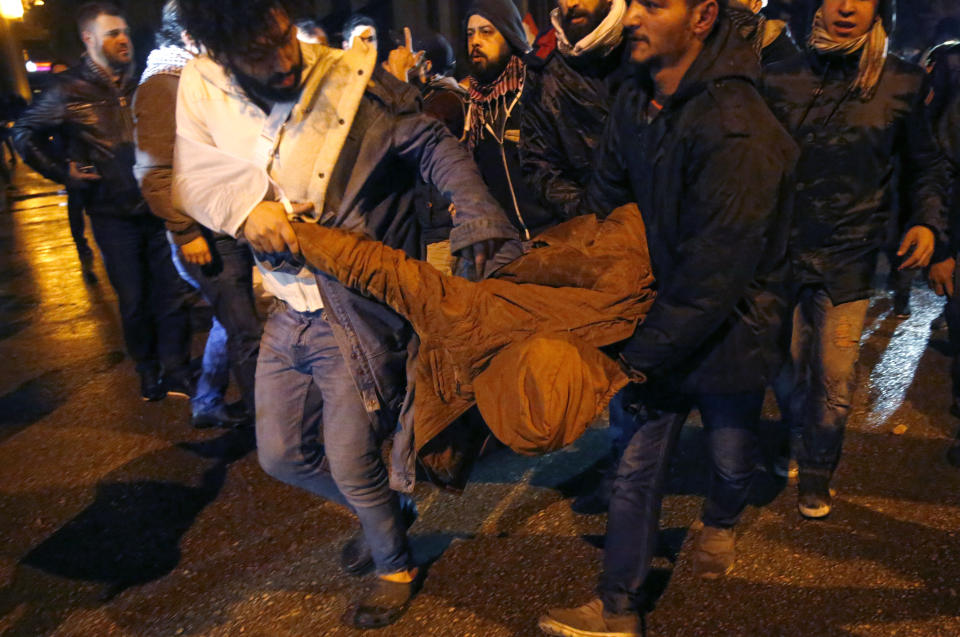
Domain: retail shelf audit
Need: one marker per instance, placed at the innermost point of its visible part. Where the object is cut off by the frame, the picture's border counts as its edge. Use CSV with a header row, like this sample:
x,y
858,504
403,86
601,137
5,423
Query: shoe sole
x,y
553,627
814,514
713,575
177,393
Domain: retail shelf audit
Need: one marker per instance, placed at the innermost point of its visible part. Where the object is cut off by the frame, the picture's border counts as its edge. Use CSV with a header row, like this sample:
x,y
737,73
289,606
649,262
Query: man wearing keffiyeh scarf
x,y
856,112
496,46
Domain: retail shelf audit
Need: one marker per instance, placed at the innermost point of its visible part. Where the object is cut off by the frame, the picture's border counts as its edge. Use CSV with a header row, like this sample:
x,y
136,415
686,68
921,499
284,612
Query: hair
x,y
171,29
236,28
90,11
354,21
309,24
437,49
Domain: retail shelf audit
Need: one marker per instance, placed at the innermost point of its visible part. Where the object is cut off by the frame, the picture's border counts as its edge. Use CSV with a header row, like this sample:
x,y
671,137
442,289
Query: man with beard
x,y
89,108
496,44
567,101
691,141
856,112
269,128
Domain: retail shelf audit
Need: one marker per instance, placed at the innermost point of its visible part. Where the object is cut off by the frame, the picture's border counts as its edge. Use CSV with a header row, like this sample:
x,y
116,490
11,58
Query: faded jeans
x,y
817,388
313,431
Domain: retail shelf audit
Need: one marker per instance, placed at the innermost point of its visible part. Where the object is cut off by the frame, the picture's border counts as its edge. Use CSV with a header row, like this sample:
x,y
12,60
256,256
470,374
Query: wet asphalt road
x,y
117,518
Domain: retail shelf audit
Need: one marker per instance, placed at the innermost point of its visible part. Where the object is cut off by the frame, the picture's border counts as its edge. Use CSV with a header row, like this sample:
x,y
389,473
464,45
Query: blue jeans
x,y
313,431
156,324
817,388
234,339
633,524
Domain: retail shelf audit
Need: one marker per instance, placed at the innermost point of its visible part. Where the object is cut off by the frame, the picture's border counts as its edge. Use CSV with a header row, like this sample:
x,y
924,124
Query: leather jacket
x,y
92,117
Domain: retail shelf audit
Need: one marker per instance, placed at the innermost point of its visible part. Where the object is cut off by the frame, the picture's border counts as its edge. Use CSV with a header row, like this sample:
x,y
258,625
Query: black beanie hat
x,y
503,14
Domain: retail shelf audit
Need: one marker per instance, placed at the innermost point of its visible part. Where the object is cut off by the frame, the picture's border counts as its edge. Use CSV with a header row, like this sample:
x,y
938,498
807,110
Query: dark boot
x,y
384,603
356,558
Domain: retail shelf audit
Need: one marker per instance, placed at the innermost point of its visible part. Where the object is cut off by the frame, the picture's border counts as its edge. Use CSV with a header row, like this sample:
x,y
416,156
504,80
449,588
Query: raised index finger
x,y
408,39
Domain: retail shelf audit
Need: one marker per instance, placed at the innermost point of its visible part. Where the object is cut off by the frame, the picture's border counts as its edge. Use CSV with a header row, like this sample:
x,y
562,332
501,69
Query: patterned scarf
x,y
605,38
873,45
489,101
166,60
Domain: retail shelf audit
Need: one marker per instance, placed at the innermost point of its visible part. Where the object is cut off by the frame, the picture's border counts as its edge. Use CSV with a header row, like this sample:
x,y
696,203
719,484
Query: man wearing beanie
x,y
496,46
856,112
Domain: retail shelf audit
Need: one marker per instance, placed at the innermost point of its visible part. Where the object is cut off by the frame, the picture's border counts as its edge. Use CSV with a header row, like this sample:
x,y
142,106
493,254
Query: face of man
x,y
660,32
487,49
363,31
271,71
108,41
849,19
581,17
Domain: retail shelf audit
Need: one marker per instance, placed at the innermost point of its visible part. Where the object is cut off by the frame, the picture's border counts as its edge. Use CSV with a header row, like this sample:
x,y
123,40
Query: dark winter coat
x,y
945,115
845,176
93,117
565,107
712,176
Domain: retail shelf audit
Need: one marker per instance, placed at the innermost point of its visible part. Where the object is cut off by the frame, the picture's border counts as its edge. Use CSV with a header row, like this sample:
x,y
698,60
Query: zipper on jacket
x,y
513,195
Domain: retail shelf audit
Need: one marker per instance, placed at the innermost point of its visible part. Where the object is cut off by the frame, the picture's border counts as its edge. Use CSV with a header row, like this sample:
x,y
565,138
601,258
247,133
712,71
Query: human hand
x,y
77,175
196,251
402,60
479,253
941,277
268,229
922,241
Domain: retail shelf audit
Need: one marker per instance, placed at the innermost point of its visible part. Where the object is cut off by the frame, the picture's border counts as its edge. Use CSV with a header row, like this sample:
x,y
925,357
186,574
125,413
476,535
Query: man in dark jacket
x,y
89,107
856,112
692,142
214,263
567,101
267,129
943,63
496,46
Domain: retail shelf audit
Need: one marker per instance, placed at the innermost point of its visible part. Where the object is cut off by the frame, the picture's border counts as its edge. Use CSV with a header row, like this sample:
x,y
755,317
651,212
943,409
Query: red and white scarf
x,y
489,101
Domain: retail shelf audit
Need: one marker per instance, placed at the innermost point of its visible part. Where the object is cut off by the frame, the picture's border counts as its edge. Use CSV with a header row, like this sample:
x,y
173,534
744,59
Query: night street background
x,y
117,518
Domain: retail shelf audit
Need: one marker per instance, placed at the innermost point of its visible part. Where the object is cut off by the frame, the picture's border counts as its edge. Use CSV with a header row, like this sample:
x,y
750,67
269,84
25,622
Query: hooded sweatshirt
x,y
497,152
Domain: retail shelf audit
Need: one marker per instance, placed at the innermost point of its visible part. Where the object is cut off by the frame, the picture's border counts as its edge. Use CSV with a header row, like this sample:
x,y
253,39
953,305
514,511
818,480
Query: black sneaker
x,y
383,603
180,385
814,501
232,416
151,388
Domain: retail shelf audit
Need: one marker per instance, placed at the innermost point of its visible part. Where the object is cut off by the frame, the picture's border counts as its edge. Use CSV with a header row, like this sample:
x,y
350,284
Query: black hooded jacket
x,y
498,156
712,175
94,118
565,108
944,103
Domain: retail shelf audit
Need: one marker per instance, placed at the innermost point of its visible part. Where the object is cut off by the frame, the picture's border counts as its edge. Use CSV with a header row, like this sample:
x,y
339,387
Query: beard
x,y
270,91
489,70
576,32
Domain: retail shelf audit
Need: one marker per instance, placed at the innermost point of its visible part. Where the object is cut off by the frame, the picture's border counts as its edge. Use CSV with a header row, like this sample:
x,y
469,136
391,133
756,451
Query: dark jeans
x,y
633,523
952,313
136,255
75,208
227,285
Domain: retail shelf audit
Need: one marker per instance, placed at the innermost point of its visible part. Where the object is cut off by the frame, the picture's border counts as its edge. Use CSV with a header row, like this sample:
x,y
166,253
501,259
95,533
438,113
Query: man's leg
x,y
835,350
227,284
789,388
633,523
122,246
168,300
75,207
731,422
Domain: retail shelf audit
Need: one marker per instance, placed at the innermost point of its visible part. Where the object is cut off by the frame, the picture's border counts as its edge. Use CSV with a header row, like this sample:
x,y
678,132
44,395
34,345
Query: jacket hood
x,y
504,15
725,56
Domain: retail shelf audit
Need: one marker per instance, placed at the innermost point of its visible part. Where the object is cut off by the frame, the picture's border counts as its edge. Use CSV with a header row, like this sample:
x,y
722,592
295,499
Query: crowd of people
x,y
654,206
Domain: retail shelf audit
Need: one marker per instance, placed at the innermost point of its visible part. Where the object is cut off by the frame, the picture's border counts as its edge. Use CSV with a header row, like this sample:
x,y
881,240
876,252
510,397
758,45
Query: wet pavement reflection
x,y
117,518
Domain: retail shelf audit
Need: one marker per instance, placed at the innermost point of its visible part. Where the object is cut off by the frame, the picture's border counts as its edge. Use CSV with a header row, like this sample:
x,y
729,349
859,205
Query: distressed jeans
x,y
313,431
730,422
818,387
